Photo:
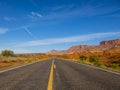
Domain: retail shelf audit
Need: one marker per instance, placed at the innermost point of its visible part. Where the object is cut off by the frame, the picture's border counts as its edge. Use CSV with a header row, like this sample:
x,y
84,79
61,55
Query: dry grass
x,y
8,62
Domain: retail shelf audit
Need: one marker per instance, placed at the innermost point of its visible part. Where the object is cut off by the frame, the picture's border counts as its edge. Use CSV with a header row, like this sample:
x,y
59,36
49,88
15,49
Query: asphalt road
x,y
73,76
66,76
30,77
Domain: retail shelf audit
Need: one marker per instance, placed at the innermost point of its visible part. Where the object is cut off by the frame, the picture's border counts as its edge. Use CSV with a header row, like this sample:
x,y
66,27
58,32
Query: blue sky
x,y
28,26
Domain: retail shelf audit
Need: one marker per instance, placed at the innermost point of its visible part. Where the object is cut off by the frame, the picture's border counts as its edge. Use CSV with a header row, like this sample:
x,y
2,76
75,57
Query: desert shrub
x,y
5,61
114,66
100,64
13,60
83,58
79,61
7,53
29,61
94,58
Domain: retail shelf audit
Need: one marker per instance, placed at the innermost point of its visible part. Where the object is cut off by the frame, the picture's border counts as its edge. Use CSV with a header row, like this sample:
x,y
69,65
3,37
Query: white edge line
x,y
94,67
19,66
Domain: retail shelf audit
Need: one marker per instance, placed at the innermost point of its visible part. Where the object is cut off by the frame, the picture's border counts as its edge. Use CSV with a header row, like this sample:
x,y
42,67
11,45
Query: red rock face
x,y
78,48
111,42
104,45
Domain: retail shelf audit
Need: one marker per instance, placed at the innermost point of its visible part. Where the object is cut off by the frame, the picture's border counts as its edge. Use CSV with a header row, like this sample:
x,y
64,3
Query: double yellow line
x,y
50,82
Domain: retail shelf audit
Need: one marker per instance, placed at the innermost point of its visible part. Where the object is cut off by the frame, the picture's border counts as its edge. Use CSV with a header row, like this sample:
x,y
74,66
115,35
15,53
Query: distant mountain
x,y
113,45
53,52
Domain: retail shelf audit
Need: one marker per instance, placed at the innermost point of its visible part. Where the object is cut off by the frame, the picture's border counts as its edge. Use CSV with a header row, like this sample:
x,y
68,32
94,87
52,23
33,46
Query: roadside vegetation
x,y
93,60
106,60
9,59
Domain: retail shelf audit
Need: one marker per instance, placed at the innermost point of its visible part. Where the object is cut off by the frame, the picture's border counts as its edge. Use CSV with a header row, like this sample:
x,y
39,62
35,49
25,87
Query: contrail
x,y
28,31
25,28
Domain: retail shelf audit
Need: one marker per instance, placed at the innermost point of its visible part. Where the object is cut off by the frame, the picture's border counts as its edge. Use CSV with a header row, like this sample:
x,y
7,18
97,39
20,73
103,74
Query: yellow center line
x,y
54,66
50,82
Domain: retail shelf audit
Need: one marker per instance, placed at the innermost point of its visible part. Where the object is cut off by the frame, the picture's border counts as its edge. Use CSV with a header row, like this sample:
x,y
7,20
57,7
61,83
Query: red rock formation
x,y
104,45
111,42
79,48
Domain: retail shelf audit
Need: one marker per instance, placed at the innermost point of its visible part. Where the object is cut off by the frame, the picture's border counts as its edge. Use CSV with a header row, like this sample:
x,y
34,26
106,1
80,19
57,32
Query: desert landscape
x,y
107,54
104,55
59,44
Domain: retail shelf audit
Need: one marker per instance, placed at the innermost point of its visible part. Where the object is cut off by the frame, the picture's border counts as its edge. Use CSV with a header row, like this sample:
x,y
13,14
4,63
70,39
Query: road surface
x,y
30,77
66,76
74,76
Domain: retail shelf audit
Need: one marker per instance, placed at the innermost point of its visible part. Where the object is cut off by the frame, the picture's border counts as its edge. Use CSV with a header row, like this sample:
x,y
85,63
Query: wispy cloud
x,y
9,18
35,15
80,38
3,30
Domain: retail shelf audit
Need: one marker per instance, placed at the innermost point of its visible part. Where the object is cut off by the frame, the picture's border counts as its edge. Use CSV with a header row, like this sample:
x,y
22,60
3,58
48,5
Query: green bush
x,y
83,58
7,53
29,61
100,64
79,61
94,58
114,66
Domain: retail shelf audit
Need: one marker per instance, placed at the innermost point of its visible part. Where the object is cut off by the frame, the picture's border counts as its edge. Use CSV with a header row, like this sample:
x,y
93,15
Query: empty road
x,y
74,76
30,77
66,76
